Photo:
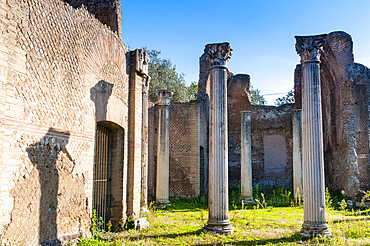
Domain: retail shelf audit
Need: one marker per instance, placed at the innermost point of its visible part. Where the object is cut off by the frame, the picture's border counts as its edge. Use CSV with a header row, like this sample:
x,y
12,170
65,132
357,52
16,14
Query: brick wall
x,y
270,123
107,12
75,73
238,99
184,149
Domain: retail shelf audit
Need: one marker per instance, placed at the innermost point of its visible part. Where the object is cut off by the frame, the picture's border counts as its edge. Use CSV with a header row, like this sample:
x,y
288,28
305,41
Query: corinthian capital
x,y
142,60
164,97
218,54
309,47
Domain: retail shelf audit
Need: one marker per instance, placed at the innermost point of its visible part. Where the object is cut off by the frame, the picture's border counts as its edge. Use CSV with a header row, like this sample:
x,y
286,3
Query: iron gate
x,y
102,173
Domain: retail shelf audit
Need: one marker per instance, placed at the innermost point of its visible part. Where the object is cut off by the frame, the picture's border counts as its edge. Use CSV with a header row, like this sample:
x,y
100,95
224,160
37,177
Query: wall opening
x,y
275,159
103,172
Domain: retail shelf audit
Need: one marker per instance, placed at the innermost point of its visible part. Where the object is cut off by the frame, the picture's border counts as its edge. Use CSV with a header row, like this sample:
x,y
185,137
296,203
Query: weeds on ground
x,y
264,223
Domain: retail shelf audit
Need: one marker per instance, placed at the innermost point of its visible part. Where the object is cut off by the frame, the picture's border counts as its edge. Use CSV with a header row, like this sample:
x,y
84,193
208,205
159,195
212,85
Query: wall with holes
x,y
61,71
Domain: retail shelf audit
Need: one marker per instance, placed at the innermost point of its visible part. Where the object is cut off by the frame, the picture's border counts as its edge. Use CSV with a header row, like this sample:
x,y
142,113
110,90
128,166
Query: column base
x,y
248,200
162,203
312,230
219,227
141,223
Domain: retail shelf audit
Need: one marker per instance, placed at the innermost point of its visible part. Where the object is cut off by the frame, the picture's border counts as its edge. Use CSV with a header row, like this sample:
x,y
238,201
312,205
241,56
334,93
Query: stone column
x,y
144,147
297,154
139,70
218,221
246,158
309,48
163,158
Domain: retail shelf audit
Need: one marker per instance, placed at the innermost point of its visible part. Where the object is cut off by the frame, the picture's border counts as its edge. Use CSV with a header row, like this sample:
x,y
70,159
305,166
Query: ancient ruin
x,y
70,120
79,135
309,48
144,146
218,204
275,131
297,154
163,162
246,187
345,131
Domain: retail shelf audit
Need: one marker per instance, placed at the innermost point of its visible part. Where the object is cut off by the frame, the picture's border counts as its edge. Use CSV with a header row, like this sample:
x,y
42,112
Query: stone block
x,y
141,223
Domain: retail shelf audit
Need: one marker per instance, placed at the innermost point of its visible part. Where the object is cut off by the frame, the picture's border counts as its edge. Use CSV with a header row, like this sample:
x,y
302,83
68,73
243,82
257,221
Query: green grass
x,y
182,223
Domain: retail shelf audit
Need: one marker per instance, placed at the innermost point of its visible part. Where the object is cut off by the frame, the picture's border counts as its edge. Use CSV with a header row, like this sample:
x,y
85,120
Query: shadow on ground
x,y
350,220
296,237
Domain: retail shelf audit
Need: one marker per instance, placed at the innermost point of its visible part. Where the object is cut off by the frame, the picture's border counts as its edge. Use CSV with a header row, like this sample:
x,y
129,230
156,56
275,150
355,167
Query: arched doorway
x,y
103,172
110,173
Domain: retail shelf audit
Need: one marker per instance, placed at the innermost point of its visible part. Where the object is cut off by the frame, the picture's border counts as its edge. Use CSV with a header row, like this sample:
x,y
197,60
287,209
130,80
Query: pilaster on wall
x,y
139,71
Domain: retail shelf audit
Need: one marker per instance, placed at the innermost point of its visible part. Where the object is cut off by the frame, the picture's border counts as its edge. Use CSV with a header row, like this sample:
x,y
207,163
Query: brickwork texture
x,y
183,152
61,71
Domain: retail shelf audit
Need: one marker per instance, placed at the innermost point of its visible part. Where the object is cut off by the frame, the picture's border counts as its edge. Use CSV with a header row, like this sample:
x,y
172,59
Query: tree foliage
x,y
256,97
289,98
192,92
164,76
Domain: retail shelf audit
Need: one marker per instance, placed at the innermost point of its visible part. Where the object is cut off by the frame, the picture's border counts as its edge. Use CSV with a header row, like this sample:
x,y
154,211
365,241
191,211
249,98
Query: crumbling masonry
x,y
345,106
73,135
70,119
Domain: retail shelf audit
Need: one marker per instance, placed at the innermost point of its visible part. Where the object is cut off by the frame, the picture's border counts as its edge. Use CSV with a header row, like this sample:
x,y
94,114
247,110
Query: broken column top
x,y
309,47
218,53
164,97
142,60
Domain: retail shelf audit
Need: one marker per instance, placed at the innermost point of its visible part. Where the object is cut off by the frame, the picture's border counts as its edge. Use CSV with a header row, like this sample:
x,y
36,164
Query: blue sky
x,y
261,33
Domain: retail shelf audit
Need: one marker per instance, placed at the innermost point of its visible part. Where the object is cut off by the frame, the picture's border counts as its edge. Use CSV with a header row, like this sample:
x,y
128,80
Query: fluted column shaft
x,y
218,221
309,48
297,154
163,169
218,148
246,158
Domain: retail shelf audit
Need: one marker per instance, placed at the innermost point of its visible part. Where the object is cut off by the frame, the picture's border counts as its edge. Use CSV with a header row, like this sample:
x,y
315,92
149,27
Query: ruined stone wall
x,y
272,145
203,100
238,99
345,101
13,15
151,152
184,149
61,71
334,93
270,126
107,12
298,86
